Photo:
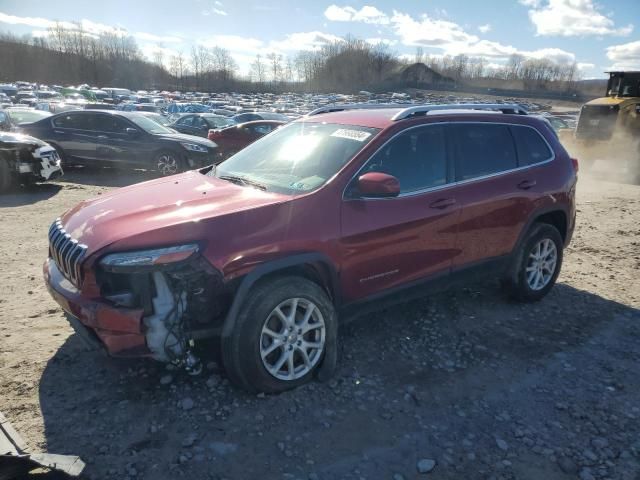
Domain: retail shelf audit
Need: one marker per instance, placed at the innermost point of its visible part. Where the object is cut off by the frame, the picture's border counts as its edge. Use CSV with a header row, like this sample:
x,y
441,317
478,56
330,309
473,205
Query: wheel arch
x,y
315,266
555,215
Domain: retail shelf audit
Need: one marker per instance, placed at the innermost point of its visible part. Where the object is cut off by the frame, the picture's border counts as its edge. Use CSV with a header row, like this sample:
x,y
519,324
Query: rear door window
x,y
532,148
110,123
483,149
72,120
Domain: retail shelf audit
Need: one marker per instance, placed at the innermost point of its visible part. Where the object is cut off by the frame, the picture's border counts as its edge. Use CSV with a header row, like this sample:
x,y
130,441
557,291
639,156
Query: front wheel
x,y
537,265
280,336
168,163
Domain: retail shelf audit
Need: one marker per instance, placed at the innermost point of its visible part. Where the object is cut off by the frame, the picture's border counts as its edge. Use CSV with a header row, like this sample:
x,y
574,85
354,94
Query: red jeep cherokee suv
x,y
269,249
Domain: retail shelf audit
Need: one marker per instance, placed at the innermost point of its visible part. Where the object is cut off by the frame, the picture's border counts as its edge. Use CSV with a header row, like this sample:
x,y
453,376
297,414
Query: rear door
x,y
74,133
391,242
495,188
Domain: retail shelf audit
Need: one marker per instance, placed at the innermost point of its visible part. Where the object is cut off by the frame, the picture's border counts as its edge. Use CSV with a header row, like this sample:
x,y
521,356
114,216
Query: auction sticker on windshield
x,y
356,135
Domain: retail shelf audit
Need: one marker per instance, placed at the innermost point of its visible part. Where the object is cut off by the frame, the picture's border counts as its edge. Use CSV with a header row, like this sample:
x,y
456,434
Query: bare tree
x,y
258,70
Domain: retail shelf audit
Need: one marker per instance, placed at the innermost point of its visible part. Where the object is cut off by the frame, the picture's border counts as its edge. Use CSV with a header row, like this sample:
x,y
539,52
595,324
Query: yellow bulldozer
x,y
609,127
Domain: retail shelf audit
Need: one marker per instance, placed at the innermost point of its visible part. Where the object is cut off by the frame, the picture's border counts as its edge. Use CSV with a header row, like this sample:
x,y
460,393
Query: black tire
x,y
172,161
241,352
6,176
64,159
516,282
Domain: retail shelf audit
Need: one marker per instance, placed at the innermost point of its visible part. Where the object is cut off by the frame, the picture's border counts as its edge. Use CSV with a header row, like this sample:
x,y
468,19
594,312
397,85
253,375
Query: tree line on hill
x,y
70,56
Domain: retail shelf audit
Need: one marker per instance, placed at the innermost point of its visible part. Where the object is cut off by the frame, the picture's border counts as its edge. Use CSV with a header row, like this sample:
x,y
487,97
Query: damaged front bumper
x,y
46,164
120,331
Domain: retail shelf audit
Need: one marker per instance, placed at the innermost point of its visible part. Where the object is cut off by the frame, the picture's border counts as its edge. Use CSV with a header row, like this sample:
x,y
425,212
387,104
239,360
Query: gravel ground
x,y
462,384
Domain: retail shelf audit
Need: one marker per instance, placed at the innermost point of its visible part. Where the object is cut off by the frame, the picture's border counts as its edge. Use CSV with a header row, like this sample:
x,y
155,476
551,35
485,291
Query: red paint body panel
x,y
119,329
373,244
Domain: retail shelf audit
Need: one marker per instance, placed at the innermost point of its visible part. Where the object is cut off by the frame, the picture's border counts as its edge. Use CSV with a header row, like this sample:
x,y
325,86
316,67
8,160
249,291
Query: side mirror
x,y
132,132
378,185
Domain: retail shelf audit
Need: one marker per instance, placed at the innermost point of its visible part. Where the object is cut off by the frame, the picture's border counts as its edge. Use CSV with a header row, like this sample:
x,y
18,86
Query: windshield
x,y
148,125
297,158
27,116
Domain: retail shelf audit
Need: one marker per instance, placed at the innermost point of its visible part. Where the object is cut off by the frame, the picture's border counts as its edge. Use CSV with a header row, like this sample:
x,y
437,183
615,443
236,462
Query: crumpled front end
x,y
28,157
133,308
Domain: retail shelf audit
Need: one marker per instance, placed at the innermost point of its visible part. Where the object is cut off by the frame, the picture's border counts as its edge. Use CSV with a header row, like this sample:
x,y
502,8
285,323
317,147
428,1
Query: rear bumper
x,y
119,331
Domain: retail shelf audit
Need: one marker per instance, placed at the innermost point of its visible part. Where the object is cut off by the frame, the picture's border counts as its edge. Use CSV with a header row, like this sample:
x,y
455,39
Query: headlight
x,y
194,147
148,258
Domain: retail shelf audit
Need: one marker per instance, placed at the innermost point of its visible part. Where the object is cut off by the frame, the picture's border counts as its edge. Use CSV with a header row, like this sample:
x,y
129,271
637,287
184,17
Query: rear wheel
x,y
537,264
281,335
168,162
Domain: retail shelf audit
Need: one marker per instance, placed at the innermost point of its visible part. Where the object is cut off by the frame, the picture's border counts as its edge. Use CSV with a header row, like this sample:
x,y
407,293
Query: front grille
x,y
596,122
66,252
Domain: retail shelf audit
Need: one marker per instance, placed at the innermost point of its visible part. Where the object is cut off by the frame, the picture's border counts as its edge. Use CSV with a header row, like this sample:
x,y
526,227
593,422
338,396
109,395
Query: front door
x,y
391,242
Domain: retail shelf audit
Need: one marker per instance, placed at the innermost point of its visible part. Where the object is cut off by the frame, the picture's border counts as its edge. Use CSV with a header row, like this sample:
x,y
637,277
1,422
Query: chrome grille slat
x,y
66,252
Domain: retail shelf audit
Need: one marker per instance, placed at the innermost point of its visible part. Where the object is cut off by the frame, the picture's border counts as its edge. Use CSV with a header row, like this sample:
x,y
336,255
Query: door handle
x,y
526,184
103,137
442,203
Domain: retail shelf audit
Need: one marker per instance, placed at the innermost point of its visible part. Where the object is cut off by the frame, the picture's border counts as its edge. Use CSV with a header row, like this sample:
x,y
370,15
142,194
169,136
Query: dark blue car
x,y
124,139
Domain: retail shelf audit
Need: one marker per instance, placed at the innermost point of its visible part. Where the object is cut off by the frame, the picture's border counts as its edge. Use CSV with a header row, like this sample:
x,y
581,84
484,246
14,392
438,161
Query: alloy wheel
x,y
292,339
541,264
167,164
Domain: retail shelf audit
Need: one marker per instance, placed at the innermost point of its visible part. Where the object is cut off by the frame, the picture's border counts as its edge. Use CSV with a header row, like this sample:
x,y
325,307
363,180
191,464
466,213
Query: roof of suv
x,y
383,117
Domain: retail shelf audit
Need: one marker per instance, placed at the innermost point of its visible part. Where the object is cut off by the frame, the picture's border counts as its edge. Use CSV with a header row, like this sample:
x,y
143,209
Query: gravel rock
x,y
585,474
189,440
502,445
223,448
187,404
567,465
425,465
166,379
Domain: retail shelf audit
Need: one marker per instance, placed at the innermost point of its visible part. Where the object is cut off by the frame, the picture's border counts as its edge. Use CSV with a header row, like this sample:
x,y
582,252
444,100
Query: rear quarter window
x,y
483,149
532,148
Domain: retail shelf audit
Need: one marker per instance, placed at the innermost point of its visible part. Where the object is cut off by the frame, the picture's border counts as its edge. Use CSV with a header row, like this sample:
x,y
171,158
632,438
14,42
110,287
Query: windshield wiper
x,y
243,181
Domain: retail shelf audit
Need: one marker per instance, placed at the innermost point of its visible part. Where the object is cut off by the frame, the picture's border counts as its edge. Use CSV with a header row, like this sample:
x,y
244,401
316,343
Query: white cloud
x,y
303,41
554,54
379,40
149,37
571,18
484,28
214,11
36,22
585,66
428,32
367,14
233,43
625,56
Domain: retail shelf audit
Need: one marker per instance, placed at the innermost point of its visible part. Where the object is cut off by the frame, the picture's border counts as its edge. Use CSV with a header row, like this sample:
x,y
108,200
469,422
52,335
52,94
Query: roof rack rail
x,y
509,108
353,106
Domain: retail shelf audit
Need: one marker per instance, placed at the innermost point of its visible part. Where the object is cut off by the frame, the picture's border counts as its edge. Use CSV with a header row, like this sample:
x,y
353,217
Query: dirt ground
x,y
465,380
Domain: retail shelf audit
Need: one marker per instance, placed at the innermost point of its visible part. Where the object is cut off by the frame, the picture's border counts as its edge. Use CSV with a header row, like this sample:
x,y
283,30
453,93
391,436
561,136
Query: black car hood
x,y
19,138
181,137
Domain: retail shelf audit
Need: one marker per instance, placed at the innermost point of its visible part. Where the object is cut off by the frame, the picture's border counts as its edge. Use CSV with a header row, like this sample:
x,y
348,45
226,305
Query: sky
x,y
598,35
